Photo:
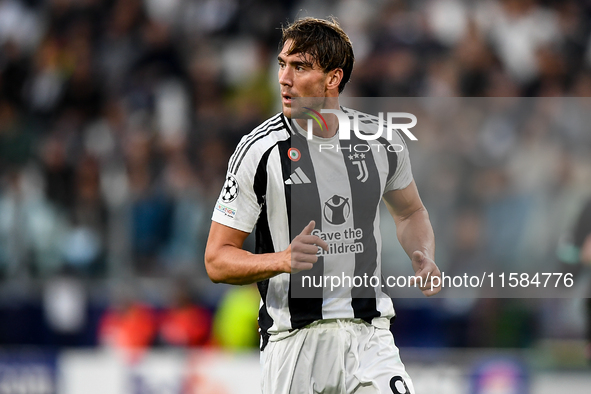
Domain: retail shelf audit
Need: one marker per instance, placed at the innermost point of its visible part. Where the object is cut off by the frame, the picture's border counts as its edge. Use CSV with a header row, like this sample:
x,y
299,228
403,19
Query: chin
x,y
287,112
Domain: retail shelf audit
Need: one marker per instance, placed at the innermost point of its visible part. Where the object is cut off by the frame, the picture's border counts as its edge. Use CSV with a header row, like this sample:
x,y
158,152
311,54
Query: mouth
x,y
286,99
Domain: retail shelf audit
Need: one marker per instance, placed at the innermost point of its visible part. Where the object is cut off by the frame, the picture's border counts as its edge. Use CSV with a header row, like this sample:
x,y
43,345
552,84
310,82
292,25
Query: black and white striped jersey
x,y
278,180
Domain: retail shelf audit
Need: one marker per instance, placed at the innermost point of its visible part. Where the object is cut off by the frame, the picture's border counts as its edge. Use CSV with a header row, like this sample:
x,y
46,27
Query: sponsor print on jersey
x,y
230,212
341,241
336,210
230,190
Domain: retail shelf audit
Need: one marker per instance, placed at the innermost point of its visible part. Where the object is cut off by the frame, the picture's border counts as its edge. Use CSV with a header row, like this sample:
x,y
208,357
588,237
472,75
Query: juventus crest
x,y
358,159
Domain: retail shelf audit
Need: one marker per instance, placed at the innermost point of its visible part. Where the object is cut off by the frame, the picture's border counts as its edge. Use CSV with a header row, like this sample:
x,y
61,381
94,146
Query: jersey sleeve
x,y
237,204
402,176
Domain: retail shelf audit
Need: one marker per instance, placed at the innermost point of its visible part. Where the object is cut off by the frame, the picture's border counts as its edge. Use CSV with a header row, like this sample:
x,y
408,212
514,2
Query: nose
x,y
286,76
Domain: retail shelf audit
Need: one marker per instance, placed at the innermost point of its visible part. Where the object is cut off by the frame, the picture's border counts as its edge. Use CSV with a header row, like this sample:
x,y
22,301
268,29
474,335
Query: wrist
x,y
284,265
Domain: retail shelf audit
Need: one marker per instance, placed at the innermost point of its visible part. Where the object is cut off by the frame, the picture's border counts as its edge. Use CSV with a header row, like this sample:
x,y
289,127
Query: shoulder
x,y
263,137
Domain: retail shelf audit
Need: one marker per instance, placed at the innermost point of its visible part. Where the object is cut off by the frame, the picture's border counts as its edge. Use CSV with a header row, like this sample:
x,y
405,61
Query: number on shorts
x,y
395,390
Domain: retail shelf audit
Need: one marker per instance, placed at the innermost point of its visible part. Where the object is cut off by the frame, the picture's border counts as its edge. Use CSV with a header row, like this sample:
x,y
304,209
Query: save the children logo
x,y
336,210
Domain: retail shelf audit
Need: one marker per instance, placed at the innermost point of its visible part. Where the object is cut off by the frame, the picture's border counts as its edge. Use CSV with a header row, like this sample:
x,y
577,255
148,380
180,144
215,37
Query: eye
x,y
299,68
281,65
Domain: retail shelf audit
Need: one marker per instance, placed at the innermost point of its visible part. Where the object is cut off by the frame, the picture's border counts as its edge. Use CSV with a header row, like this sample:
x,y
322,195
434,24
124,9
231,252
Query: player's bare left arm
x,y
415,233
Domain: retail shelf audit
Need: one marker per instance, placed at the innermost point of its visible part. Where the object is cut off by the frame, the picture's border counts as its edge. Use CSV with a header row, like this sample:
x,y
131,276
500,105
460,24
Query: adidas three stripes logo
x,y
297,177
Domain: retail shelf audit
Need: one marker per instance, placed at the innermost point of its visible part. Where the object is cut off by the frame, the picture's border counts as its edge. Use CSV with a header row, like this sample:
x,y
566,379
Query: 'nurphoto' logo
x,y
385,124
345,124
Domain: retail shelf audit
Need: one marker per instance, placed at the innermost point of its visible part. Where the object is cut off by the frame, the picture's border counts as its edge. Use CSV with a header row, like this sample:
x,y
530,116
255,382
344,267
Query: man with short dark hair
x,y
316,215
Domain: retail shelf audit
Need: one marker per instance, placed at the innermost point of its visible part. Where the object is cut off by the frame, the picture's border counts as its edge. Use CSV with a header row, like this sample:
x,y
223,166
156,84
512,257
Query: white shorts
x,y
334,357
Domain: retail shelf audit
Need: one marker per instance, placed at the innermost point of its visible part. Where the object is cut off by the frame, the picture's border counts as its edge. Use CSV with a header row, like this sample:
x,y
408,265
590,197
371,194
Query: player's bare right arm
x,y
227,262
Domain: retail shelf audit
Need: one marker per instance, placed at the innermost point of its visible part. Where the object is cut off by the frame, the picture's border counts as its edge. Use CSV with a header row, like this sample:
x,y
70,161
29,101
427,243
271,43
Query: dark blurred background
x,y
117,118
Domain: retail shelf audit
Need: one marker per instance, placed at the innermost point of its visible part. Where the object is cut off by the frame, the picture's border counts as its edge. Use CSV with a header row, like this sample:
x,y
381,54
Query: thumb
x,y
308,229
418,256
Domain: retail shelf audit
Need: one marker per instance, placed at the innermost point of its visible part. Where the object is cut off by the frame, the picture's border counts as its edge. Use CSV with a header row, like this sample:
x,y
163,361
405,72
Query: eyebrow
x,y
296,62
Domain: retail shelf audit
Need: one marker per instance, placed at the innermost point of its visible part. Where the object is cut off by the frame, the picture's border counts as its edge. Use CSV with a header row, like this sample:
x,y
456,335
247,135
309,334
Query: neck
x,y
332,121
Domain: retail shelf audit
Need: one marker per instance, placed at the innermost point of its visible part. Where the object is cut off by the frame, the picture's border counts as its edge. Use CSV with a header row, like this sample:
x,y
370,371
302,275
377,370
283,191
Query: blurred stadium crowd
x,y
117,118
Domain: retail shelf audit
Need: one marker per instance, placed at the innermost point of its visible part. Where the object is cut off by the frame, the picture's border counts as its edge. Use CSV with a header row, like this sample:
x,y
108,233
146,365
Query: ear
x,y
334,78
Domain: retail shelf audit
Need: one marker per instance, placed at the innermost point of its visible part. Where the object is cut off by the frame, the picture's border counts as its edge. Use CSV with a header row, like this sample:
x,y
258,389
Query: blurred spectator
x,y
151,208
16,139
21,24
65,305
185,323
235,322
119,47
128,326
30,227
578,252
14,71
189,214
84,242
58,173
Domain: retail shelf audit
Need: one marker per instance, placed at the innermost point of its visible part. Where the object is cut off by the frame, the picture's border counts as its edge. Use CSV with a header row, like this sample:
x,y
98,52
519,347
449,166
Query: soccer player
x,y
316,214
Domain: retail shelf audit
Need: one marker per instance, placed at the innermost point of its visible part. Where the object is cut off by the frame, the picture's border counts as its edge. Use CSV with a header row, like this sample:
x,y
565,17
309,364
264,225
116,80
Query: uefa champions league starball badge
x,y
230,189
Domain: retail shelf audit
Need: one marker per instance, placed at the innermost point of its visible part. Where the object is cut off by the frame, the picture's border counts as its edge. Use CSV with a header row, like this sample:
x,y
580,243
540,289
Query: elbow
x,y
212,267
406,217
420,212
424,212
